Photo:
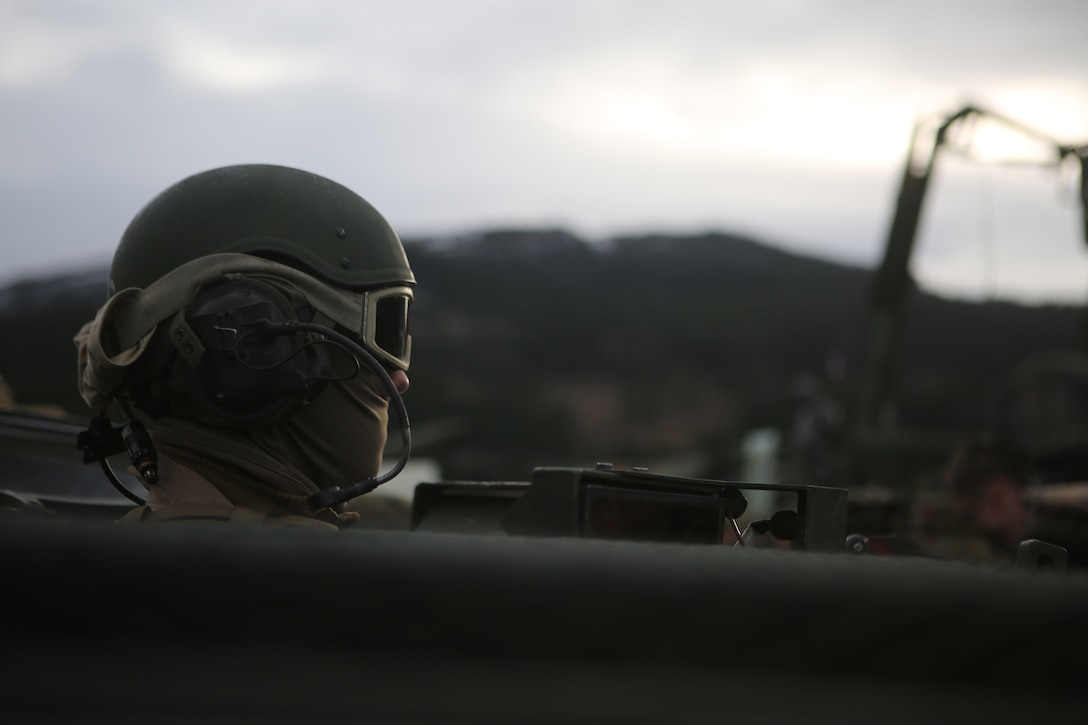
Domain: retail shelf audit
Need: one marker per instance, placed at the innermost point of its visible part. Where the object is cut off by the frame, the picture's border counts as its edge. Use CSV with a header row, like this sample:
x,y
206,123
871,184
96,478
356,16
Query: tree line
x,y
536,347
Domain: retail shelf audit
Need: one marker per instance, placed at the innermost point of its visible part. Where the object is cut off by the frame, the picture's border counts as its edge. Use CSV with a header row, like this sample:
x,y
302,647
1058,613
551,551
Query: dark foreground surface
x,y
108,622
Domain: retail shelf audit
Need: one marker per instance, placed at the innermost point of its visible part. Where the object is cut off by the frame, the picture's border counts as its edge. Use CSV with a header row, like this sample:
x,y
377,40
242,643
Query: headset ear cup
x,y
242,377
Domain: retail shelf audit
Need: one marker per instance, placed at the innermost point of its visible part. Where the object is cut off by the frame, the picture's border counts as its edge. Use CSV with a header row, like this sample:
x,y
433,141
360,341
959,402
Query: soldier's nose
x,y
400,380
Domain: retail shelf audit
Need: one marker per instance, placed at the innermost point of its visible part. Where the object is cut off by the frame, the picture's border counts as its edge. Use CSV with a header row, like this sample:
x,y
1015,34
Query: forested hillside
x,y
538,348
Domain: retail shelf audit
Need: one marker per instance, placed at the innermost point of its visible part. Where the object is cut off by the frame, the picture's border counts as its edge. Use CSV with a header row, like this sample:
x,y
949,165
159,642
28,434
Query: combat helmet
x,y
194,254
283,214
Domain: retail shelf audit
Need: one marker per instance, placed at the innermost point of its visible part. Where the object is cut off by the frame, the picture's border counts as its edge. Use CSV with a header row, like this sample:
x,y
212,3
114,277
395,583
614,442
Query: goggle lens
x,y
386,331
391,328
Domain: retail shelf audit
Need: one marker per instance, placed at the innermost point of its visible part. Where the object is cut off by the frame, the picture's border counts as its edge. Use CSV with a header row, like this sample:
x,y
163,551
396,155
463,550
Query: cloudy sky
x,y
783,119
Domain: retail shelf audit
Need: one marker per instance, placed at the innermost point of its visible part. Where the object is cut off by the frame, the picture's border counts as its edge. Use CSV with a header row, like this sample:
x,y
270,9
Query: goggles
x,y
384,330
378,318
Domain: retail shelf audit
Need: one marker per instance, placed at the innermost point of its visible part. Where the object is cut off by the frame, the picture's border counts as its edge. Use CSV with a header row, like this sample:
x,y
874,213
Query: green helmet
x,y
320,244
286,215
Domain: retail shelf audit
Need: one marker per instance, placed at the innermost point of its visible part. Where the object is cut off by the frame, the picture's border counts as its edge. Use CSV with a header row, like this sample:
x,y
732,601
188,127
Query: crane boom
x,y
892,282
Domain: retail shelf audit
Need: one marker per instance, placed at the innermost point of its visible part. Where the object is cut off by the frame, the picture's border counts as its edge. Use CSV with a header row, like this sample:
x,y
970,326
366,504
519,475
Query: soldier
x,y
985,514
258,320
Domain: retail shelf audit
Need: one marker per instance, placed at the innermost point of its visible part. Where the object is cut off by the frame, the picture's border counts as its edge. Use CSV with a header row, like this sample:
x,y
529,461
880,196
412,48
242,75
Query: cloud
x,y
789,119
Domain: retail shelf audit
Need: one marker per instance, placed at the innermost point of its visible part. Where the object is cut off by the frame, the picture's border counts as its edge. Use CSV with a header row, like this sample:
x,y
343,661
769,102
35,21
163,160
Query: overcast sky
x,y
782,119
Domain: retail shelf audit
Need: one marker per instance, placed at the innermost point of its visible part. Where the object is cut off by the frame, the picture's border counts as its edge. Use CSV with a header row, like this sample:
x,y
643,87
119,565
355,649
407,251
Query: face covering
x,y
335,440
338,438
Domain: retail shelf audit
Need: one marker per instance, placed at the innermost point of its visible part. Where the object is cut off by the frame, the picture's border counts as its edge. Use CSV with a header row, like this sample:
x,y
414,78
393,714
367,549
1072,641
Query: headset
x,y
237,374
253,352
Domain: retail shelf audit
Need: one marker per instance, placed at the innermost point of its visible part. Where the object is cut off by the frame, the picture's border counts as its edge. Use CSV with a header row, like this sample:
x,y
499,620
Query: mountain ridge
x,y
551,349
